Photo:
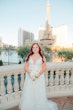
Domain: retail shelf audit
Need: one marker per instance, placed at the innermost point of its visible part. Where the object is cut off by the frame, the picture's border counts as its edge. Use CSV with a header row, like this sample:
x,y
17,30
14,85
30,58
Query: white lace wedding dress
x,y
33,95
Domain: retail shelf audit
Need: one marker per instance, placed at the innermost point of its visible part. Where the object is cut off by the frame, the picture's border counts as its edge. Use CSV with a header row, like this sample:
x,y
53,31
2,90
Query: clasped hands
x,y
34,76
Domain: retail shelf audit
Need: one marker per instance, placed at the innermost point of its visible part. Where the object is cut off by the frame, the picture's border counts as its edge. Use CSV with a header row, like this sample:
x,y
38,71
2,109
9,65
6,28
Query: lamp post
x,y
8,55
7,49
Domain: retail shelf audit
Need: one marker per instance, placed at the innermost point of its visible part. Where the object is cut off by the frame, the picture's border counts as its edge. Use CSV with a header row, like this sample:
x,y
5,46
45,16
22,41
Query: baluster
x,y
6,83
57,77
46,77
2,85
71,78
9,87
15,82
62,81
12,82
67,77
19,81
51,78
62,77
22,80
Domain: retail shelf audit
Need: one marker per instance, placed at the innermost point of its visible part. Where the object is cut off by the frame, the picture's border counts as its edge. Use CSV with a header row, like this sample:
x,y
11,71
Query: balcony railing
x,y
58,78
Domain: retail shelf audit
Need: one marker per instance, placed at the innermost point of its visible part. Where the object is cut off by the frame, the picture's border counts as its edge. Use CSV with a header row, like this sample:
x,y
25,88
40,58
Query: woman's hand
x,y
32,78
39,75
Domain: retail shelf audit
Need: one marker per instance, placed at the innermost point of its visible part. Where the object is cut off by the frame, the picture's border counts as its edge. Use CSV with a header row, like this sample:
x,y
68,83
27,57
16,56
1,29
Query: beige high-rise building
x,y
61,33
25,37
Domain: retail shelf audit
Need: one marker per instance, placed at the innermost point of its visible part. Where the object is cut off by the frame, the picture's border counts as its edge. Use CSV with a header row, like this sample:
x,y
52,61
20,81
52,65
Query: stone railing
x,y
58,77
11,83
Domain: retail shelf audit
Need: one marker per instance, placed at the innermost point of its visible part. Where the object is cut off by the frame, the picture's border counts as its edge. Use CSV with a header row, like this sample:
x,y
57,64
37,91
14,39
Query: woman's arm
x,y
43,67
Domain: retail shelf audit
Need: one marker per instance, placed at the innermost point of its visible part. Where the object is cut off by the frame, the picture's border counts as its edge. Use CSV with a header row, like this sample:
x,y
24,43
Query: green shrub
x,y
67,54
23,51
1,63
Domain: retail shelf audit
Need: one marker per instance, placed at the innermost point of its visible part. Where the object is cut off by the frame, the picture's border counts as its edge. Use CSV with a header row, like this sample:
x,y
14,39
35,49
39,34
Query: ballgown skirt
x,y
33,96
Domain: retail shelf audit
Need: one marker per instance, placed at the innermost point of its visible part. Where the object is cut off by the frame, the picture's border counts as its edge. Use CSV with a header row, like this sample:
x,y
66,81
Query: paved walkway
x,y
64,103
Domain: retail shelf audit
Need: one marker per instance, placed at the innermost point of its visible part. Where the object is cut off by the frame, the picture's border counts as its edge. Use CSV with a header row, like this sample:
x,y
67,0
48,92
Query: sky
x,y
30,14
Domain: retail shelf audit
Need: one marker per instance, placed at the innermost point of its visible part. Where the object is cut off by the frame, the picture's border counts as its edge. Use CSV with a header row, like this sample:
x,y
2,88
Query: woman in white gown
x,y
33,95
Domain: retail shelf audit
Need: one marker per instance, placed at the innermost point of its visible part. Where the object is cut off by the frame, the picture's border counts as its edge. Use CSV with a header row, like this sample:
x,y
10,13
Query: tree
x,y
23,51
47,52
47,49
66,54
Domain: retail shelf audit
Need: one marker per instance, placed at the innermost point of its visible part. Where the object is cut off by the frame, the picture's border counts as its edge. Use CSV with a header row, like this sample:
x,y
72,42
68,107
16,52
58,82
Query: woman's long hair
x,y
31,52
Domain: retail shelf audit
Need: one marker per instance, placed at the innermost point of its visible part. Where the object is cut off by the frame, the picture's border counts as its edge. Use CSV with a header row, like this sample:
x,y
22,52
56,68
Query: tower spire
x,y
48,1
48,13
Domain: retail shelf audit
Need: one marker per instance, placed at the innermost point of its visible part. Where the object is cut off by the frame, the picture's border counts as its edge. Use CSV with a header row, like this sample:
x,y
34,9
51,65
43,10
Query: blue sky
x,y
30,14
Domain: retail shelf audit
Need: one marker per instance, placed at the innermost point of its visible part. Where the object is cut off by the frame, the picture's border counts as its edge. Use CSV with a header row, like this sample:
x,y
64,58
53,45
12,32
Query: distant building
x,y
24,37
46,37
61,33
45,33
53,36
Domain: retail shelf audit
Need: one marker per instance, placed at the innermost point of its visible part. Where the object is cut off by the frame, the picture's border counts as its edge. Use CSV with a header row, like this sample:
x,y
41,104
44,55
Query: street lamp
x,y
8,55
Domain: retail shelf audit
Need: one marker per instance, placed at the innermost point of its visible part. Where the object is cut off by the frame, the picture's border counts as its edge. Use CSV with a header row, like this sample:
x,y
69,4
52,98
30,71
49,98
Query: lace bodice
x,y
36,66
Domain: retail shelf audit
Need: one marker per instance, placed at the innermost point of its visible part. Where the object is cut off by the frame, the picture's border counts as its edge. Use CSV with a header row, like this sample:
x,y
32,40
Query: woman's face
x,y
35,48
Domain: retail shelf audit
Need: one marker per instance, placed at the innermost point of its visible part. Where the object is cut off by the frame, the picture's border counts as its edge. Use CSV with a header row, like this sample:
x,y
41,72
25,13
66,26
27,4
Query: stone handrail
x,y
11,83
58,78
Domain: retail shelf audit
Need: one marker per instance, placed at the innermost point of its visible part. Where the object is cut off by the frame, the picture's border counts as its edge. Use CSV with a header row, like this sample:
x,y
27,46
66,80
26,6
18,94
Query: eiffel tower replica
x,y
48,38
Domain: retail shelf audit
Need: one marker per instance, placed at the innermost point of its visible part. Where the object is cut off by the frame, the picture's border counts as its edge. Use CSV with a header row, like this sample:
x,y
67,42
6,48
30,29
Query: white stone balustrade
x,y
58,77
60,81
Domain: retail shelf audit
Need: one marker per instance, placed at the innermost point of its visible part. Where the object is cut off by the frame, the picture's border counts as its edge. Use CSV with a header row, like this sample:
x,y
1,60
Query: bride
x,y
33,95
